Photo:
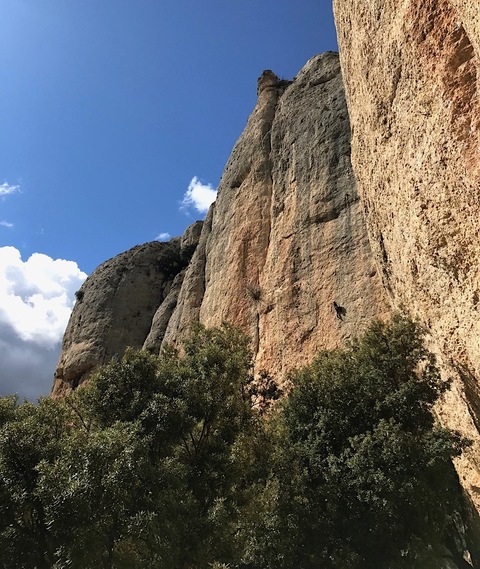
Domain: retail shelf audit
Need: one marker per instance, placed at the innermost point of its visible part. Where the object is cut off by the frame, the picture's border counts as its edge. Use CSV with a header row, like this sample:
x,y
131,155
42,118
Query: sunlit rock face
x,y
285,239
411,74
294,229
286,236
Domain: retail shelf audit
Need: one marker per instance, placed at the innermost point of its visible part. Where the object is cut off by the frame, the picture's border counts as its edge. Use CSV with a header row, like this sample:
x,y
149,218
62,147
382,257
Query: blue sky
x,y
110,109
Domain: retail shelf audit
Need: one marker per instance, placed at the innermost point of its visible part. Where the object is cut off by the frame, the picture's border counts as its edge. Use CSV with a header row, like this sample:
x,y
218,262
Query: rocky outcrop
x,y
117,303
188,243
411,74
285,239
286,236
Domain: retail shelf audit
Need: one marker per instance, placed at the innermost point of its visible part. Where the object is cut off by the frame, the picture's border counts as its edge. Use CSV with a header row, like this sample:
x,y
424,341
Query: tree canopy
x,y
177,462
362,476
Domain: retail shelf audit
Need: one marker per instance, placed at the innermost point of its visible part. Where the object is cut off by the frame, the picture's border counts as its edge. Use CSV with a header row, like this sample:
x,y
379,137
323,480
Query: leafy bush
x,y
147,466
362,477
180,462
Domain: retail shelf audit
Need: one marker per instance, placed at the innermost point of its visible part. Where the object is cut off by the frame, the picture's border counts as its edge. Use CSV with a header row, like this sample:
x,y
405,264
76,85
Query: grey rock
x,y
286,236
117,306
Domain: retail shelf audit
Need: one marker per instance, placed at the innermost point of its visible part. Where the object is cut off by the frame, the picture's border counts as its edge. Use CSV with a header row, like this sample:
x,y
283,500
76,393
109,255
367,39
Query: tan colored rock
x,y
286,236
285,239
411,74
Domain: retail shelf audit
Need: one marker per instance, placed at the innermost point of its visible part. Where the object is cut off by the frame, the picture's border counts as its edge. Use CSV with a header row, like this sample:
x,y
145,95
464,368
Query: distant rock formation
x,y
117,303
411,75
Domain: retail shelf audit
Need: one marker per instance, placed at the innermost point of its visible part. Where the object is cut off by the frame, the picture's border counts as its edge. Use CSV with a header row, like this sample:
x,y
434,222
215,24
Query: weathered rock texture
x,y
286,236
411,74
117,303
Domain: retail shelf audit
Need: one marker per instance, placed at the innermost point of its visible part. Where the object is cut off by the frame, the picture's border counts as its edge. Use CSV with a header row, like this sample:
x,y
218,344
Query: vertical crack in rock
x,y
187,309
268,80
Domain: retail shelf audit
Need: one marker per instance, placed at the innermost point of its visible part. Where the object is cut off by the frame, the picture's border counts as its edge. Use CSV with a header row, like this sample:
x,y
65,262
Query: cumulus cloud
x,y
6,224
36,299
7,189
199,196
163,237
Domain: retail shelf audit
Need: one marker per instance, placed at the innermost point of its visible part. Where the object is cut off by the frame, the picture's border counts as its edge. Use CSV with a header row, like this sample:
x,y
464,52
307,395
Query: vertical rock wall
x,y
286,236
411,74
284,240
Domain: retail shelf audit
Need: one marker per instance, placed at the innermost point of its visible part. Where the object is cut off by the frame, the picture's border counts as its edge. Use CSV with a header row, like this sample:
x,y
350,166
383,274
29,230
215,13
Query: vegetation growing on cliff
x,y
168,463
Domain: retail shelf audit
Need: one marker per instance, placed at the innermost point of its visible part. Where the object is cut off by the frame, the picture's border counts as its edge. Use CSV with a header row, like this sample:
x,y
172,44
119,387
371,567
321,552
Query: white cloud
x,y
36,299
6,189
199,196
163,237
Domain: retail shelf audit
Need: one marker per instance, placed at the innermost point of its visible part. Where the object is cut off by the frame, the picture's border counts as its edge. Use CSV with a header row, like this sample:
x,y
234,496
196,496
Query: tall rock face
x,y
285,239
286,236
411,74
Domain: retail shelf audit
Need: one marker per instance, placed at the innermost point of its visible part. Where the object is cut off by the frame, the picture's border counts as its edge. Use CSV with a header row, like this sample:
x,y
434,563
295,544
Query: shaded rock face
x,y
411,74
117,303
286,236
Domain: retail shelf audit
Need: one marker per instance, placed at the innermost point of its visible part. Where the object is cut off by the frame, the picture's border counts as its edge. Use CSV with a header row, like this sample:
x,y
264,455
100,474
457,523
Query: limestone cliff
x,y
411,74
284,240
286,236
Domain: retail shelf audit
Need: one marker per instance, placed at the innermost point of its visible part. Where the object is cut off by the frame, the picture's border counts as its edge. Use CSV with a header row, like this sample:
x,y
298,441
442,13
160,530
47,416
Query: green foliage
x,y
361,477
31,434
147,466
180,462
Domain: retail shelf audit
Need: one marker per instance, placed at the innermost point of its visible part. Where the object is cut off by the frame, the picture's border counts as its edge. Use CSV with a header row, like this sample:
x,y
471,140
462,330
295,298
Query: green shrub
x,y
361,474
179,462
